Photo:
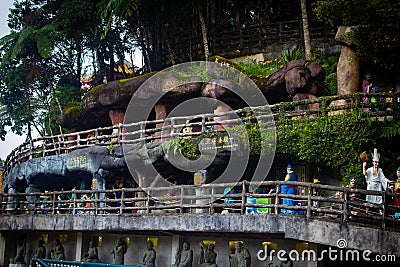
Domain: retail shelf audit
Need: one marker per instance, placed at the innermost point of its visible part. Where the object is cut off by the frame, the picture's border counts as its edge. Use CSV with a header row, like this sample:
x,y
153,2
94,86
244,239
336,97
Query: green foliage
x,y
353,170
376,37
391,130
329,63
258,140
330,140
264,68
186,146
193,70
289,55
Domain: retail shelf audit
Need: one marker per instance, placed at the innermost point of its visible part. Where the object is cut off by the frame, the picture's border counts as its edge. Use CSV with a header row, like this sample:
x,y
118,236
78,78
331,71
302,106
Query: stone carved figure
x,y
184,257
58,252
92,255
20,256
40,252
149,258
119,252
207,256
241,258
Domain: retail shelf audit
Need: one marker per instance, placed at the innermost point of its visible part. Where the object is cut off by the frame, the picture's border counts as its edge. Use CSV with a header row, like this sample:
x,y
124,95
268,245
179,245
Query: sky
x,y
12,140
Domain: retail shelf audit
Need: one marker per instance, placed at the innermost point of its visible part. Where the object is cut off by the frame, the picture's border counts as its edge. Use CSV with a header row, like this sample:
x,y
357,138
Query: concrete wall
x,y
137,246
252,229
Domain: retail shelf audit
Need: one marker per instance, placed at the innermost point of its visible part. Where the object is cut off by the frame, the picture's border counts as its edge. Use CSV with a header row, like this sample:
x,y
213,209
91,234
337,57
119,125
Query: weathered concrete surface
x,y
291,227
63,171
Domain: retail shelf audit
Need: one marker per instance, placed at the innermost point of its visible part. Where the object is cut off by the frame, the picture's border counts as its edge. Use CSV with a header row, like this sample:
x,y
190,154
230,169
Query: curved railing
x,y
161,130
341,204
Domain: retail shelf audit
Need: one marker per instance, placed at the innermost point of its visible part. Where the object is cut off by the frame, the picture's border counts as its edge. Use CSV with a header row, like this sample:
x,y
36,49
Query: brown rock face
x,y
106,104
348,72
298,76
116,116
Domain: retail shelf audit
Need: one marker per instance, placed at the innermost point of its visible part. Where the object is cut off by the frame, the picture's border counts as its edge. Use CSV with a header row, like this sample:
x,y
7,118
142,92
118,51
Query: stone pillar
x,y
78,251
161,110
117,117
174,247
348,68
221,109
348,72
2,249
73,137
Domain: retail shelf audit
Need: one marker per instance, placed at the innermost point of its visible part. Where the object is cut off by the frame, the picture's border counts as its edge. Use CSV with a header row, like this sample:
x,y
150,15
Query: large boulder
x,y
102,102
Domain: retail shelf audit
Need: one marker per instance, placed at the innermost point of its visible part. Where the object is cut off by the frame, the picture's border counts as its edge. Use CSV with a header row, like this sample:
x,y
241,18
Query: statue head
x,y
150,245
238,246
185,245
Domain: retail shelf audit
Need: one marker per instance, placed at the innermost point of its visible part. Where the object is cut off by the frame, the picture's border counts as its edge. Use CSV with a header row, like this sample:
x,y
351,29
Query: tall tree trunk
x,y
306,29
53,90
142,37
78,60
203,31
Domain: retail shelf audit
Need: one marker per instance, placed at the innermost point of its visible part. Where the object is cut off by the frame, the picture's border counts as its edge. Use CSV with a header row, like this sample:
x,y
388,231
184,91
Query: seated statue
x,y
207,257
40,252
184,257
58,252
241,258
92,255
149,258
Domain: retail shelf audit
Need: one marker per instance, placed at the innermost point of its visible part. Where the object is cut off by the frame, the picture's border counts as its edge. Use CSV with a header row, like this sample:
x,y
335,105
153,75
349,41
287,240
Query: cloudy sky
x,y
12,140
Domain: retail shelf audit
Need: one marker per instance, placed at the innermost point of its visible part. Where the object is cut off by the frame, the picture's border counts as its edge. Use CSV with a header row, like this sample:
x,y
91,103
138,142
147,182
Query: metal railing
x,y
162,130
62,263
311,200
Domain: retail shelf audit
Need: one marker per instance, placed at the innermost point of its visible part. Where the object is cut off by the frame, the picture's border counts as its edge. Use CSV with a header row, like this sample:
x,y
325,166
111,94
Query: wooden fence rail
x,y
387,105
312,200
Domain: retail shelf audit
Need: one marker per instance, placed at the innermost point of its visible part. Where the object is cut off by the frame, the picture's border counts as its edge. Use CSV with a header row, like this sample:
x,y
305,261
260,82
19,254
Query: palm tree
x,y
306,29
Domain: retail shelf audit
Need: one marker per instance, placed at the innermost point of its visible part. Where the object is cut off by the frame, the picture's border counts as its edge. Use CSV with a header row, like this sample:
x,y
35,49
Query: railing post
x,y
119,137
54,203
148,202
203,124
59,145
121,207
78,140
384,206
96,136
34,205
74,204
181,201
172,128
309,201
96,203
243,208
212,200
30,148
277,199
345,206
142,130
